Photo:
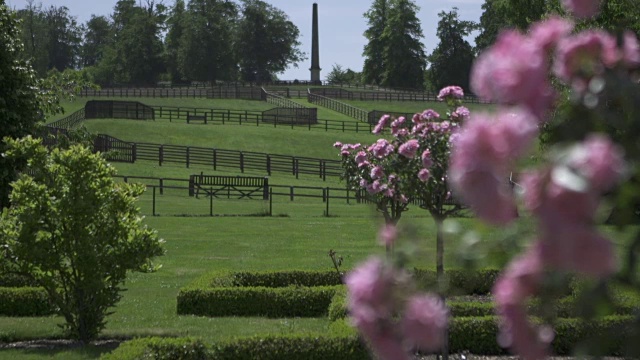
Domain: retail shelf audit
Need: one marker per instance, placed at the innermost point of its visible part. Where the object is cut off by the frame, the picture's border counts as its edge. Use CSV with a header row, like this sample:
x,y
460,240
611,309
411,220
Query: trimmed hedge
x,y
256,301
459,282
160,348
476,335
24,301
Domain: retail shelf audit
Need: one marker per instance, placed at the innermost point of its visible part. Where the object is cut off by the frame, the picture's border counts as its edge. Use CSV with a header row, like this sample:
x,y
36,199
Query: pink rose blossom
x,y
381,149
599,160
425,322
388,234
360,157
461,114
429,115
389,192
376,187
377,172
409,148
337,144
454,92
426,159
548,32
364,183
479,161
582,8
582,56
630,50
382,123
424,175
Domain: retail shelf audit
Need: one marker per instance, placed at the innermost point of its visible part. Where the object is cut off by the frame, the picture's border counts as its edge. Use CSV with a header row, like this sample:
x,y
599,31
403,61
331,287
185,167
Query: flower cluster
x,y
377,294
563,196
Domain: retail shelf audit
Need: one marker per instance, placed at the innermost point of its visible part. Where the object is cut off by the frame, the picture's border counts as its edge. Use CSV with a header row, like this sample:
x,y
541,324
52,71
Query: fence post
x,y
327,211
161,186
347,195
188,155
154,201
270,201
242,162
134,152
291,193
210,201
265,190
215,159
269,164
160,155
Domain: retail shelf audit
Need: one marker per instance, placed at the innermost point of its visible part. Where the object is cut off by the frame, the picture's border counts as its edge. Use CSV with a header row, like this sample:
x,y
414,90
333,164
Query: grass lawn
x,y
411,106
282,140
298,237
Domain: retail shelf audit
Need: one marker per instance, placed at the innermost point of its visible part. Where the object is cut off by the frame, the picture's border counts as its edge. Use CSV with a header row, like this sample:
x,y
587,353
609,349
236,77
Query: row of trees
x,y
142,43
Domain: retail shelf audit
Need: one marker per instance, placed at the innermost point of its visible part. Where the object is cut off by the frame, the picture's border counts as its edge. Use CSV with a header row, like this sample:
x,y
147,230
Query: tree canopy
x,y
451,60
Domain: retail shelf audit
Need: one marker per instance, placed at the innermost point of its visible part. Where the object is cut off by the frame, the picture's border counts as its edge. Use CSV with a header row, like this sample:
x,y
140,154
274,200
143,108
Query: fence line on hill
x,y
346,109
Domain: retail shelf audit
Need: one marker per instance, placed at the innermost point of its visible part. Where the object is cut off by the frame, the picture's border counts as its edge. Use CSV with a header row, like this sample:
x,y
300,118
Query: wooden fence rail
x,y
338,106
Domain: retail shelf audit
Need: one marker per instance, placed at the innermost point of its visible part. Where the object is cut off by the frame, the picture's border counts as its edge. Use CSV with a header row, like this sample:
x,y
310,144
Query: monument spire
x,y
315,48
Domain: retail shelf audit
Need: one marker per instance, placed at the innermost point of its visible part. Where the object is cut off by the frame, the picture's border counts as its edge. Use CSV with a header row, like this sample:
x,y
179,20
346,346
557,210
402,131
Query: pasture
x,y
299,235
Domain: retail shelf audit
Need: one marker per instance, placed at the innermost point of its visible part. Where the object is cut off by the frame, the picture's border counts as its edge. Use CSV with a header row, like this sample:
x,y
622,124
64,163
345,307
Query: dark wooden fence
x,y
107,109
69,122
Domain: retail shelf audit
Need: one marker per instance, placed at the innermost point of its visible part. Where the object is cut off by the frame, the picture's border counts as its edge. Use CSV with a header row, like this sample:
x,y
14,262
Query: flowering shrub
x,y
595,149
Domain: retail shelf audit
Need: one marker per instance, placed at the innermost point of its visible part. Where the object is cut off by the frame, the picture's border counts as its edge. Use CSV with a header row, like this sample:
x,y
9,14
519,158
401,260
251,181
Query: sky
x,y
341,26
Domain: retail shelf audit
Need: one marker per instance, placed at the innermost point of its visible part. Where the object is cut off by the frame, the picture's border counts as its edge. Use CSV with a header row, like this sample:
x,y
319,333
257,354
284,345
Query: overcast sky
x,y
340,21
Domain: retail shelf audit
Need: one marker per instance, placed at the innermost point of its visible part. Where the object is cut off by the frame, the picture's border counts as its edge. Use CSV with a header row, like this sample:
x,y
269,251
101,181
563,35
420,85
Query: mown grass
x,y
412,106
265,139
299,236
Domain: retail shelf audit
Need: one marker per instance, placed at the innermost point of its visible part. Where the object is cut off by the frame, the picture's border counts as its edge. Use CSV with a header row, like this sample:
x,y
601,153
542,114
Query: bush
x,y
286,278
338,306
160,348
24,301
256,301
459,282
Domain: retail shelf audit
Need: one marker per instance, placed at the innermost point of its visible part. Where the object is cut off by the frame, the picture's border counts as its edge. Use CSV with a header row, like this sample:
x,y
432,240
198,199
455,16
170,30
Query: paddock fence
x,y
338,106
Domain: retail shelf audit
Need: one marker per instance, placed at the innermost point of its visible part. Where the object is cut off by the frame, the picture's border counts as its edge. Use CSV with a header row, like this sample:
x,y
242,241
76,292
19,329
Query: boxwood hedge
x,y
24,301
476,335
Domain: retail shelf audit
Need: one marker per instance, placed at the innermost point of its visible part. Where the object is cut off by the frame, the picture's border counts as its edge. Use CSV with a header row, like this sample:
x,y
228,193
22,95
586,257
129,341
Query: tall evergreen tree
x,y
451,60
64,39
373,51
404,59
267,42
176,27
206,52
34,36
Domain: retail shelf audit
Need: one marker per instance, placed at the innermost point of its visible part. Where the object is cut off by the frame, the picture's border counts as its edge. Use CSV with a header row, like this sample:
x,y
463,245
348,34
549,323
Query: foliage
x,y
206,52
176,26
97,37
24,301
404,60
74,232
22,103
450,62
338,75
52,37
373,67
267,42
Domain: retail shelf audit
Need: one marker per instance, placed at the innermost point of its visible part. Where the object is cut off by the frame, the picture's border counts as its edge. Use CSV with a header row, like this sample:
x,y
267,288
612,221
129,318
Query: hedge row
x,y
460,282
565,308
256,301
24,301
476,335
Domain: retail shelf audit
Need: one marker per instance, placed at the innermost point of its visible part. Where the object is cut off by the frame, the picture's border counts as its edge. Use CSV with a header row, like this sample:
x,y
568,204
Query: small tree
x,y
413,166
75,232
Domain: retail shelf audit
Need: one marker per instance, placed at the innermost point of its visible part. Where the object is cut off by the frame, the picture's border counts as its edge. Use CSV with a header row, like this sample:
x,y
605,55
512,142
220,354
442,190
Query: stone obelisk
x,y
315,48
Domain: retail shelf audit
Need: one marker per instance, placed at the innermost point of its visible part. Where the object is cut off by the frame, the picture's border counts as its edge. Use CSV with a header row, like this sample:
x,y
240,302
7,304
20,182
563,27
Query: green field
x,y
298,236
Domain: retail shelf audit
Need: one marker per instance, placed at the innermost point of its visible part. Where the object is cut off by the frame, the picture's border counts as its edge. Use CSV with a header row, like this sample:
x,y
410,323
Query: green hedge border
x,y
476,335
25,301
294,293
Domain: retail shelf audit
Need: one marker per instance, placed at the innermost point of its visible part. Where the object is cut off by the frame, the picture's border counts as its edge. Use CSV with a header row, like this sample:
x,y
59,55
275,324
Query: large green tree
x,y
97,37
175,25
206,52
373,51
75,232
52,37
267,42
404,59
22,104
451,60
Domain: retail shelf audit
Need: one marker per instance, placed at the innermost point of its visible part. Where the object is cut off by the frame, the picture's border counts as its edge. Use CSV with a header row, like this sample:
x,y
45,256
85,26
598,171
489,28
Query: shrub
x,y
160,348
256,301
286,278
459,282
338,305
24,301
